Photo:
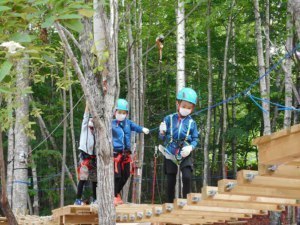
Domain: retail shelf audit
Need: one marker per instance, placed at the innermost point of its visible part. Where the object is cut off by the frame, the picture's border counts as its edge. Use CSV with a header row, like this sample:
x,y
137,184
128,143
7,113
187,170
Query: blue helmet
x,y
187,94
122,104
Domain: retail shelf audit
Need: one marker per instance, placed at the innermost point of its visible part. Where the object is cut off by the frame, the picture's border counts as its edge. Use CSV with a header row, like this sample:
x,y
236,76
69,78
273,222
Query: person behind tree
x,y
87,168
179,131
121,132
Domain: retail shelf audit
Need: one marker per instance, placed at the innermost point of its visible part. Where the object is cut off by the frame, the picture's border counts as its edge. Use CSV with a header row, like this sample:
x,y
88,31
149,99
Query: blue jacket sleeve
x,y
194,135
135,127
167,121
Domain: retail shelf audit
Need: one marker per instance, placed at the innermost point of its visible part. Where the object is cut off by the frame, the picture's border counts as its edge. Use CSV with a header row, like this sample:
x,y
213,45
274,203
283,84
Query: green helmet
x,y
122,104
187,94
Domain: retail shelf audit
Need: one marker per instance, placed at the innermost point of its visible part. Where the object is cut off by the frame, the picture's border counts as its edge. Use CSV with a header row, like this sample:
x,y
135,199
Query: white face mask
x,y
91,124
184,112
120,117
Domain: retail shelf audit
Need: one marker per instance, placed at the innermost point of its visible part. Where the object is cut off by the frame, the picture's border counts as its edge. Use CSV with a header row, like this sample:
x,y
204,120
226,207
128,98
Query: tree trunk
x,y
224,79
288,87
72,130
261,64
234,139
10,157
267,33
64,149
36,204
101,95
20,187
180,79
209,102
141,106
295,6
5,207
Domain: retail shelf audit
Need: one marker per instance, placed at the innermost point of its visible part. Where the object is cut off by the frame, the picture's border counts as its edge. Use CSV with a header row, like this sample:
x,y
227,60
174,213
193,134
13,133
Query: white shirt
x,y
87,138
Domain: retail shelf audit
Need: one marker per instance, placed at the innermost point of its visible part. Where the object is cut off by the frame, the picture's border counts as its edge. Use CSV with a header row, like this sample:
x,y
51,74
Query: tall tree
x,y
224,82
180,82
288,69
262,70
209,101
101,92
20,188
5,207
64,147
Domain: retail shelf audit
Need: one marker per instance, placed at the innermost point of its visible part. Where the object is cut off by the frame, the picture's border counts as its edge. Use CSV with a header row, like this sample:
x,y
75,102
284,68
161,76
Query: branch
x,y
80,75
71,36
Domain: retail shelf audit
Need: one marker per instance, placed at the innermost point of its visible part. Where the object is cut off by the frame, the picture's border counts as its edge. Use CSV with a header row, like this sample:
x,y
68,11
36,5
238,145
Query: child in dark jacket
x,y
179,131
121,132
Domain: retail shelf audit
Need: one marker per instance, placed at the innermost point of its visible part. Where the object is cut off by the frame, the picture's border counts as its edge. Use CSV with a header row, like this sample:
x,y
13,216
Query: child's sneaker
x,y
78,202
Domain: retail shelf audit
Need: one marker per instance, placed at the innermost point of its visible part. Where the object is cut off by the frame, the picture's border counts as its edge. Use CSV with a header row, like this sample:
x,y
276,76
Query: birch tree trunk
x,y
101,92
288,70
141,103
224,80
234,139
261,64
72,130
64,149
5,207
209,102
36,204
180,79
267,34
20,188
288,86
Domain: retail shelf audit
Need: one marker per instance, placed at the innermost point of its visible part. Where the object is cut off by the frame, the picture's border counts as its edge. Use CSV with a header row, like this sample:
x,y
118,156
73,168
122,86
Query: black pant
x,y
186,180
121,178
80,186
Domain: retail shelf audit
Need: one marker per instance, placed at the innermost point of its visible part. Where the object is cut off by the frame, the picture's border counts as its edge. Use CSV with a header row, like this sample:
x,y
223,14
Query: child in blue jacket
x,y
121,132
179,131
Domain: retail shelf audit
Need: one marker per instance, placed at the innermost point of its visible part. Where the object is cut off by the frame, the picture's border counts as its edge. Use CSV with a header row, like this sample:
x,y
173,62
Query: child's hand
x,y
146,130
162,127
186,150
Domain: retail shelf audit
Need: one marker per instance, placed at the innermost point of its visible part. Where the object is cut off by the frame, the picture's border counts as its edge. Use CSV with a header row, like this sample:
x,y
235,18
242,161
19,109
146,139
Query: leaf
x,y
5,90
4,8
86,12
49,59
48,22
75,25
5,69
21,37
69,16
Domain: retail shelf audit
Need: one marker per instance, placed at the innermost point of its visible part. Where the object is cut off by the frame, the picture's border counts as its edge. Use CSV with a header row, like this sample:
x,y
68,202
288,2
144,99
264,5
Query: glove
x,y
162,127
186,150
146,130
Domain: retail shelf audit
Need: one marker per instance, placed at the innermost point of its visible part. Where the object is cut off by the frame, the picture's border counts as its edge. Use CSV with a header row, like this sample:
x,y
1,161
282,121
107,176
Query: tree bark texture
x,y
5,207
261,65
209,101
20,179
180,82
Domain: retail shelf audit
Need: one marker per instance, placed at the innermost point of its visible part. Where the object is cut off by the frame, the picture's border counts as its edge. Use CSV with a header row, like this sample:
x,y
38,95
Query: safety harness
x,y
180,143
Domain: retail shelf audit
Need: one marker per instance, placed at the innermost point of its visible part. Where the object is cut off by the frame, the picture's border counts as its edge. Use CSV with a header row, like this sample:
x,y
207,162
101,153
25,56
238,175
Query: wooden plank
x,y
230,204
287,171
258,191
282,147
80,219
182,203
251,178
244,198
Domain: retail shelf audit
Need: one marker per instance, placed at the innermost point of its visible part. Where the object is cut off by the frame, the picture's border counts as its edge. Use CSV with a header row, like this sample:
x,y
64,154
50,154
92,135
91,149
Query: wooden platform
x,y
275,185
